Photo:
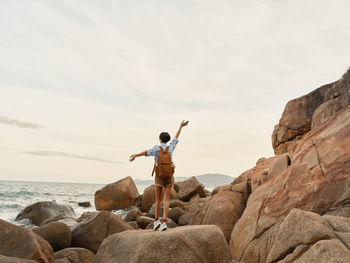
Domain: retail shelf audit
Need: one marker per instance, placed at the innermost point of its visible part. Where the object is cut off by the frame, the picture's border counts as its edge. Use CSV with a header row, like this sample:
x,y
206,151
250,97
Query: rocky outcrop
x,y
189,188
186,244
297,118
46,211
317,180
223,209
119,195
20,242
91,232
149,197
74,255
57,234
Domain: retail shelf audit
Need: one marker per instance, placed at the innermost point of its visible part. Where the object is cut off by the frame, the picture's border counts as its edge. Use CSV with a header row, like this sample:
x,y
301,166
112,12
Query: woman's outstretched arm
x,y
132,157
183,123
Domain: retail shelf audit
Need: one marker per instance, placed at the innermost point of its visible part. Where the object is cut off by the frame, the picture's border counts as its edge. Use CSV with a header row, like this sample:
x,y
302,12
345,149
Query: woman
x,y
161,183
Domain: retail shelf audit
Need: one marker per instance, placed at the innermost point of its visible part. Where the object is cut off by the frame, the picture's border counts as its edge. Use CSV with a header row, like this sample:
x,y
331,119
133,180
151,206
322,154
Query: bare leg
x,y
158,189
166,198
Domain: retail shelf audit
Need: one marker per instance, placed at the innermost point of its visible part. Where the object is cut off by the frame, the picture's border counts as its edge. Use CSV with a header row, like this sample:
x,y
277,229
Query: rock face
x,y
257,175
91,232
278,166
189,188
118,195
149,197
297,117
223,209
74,255
16,241
183,244
57,234
44,211
317,180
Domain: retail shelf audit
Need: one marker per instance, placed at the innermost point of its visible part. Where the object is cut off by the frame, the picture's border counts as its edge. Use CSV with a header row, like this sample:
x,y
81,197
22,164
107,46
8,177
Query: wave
x,y
9,206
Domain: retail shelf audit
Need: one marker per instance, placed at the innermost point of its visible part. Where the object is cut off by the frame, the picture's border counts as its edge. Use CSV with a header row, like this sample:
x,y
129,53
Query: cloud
x,y
63,154
19,123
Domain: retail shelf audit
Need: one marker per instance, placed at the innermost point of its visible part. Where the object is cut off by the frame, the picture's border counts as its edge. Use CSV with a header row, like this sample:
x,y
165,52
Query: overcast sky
x,y
85,84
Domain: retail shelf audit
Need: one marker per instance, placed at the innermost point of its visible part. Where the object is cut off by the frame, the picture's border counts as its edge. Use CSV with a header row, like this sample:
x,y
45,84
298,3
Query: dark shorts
x,y
164,181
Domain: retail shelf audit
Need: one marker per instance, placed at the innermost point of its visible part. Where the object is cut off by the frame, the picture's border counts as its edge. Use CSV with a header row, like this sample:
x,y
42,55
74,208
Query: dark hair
x,y
165,137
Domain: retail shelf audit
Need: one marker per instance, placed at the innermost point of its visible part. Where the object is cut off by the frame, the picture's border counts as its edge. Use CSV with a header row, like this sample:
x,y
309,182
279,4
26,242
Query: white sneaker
x,y
156,224
163,227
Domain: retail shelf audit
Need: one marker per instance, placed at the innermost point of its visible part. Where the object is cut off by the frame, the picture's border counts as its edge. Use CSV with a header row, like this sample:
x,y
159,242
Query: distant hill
x,y
209,180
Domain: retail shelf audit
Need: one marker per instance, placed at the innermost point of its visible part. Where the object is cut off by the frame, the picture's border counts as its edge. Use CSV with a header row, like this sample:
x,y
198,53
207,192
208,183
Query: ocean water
x,y
15,196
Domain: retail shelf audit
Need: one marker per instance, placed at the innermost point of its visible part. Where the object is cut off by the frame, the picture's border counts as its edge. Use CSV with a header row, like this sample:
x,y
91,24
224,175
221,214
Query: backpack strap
x,y
154,169
167,149
161,149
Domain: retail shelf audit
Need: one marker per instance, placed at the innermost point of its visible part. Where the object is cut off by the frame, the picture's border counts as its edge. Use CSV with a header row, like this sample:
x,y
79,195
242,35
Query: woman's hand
x,y
132,157
184,123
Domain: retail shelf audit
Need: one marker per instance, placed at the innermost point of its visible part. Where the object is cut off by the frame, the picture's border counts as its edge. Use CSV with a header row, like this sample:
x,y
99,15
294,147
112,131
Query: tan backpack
x,y
164,167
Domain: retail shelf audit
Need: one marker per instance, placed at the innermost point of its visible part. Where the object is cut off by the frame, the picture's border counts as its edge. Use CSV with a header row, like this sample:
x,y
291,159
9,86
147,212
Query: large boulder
x,y
149,197
20,242
74,255
224,209
325,251
297,116
317,180
118,195
183,244
341,227
91,232
189,188
56,233
43,211
312,226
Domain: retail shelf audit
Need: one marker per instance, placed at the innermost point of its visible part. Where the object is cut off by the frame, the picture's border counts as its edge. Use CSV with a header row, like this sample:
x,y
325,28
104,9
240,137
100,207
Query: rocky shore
x,y
291,207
